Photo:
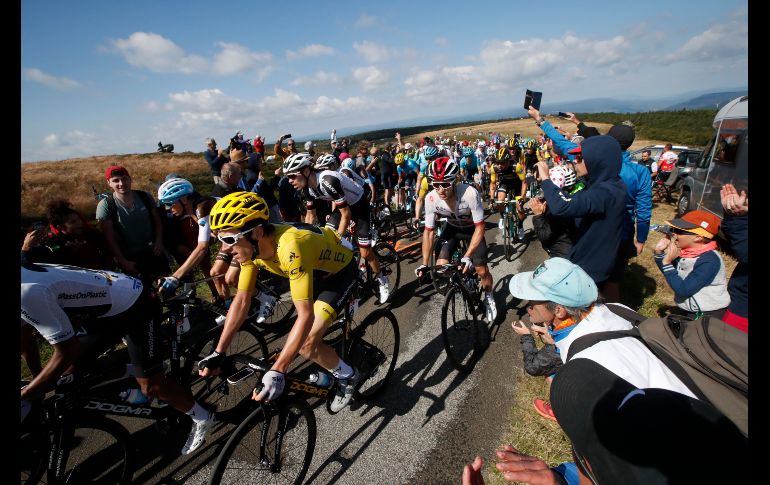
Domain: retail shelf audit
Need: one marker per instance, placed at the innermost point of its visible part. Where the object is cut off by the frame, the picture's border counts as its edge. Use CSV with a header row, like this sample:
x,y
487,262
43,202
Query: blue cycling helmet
x,y
467,151
174,189
430,152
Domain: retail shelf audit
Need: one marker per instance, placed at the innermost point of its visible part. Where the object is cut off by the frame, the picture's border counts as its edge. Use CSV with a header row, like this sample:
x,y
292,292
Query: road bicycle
x,y
275,443
461,313
509,232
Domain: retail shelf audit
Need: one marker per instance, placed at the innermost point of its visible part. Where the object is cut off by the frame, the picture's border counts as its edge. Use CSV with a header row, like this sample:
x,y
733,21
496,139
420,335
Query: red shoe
x,y
543,408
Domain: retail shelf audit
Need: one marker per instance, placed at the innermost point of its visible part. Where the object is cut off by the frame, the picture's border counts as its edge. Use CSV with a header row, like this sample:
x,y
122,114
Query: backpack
x,y
112,207
710,357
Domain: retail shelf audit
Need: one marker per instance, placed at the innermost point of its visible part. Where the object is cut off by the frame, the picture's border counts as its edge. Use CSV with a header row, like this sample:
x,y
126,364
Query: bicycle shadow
x,y
411,381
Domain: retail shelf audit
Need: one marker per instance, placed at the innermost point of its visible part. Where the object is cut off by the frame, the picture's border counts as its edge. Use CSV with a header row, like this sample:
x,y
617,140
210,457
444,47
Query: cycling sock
x,y
198,413
342,371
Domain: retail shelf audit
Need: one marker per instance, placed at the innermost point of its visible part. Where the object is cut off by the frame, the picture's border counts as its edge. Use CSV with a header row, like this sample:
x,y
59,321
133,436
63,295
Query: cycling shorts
x,y
139,325
452,235
333,290
359,213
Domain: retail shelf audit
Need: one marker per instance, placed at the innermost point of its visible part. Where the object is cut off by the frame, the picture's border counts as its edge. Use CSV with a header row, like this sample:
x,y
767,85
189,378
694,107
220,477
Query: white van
x,y
725,160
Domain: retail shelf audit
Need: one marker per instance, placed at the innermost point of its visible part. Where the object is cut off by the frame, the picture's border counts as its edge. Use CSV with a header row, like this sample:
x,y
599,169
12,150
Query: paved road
x,y
428,423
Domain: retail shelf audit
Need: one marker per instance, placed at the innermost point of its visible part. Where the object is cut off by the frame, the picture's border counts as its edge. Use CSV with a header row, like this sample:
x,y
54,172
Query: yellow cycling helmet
x,y
234,210
399,158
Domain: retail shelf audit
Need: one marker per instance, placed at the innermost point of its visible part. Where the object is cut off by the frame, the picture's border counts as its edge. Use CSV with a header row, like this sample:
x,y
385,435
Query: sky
x,y
107,77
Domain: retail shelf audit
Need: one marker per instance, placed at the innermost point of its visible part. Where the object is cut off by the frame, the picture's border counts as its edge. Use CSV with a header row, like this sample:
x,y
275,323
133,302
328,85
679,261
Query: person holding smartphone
x,y
543,362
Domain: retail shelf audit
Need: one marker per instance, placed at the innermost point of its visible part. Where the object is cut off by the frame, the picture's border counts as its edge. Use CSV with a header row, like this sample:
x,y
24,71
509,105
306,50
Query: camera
x,y
662,228
562,114
286,136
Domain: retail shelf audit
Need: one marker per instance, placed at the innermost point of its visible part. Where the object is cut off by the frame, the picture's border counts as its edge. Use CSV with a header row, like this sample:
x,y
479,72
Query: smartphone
x,y
532,98
287,136
562,114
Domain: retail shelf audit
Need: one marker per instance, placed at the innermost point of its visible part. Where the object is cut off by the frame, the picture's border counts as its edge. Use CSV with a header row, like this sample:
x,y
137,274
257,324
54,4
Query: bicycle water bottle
x,y
320,379
183,325
134,396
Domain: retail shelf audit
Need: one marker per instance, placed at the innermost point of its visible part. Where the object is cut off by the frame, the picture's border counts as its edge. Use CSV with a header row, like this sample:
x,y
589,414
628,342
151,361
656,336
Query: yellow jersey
x,y
302,249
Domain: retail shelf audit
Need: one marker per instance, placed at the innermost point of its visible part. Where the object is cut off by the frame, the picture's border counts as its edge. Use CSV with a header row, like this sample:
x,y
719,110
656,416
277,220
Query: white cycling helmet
x,y
327,161
297,162
482,143
174,189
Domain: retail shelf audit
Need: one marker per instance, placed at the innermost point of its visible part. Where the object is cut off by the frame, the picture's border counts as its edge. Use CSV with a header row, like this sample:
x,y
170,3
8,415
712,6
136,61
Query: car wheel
x,y
678,185
683,205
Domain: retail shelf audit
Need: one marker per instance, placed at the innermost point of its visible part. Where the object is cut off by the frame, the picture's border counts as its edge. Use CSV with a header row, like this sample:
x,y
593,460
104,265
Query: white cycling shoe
x,y
345,389
384,289
490,307
198,434
267,305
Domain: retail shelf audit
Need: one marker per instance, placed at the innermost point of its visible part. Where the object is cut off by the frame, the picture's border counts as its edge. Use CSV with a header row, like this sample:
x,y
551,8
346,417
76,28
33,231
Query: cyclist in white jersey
x,y
106,306
461,205
350,204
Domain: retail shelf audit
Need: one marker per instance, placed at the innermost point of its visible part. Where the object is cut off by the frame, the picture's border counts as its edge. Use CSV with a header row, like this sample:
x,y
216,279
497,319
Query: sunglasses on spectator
x,y
441,185
233,239
681,232
290,144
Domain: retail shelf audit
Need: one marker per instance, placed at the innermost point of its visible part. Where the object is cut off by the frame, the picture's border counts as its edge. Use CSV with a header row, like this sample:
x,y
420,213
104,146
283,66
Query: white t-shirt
x,y
627,358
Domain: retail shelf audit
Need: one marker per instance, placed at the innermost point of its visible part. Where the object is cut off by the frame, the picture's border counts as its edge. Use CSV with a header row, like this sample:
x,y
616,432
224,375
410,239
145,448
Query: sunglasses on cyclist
x,y
292,176
233,239
441,185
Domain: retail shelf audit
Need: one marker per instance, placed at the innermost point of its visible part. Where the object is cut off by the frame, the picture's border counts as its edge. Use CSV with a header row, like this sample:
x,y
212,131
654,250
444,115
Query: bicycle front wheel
x,y
459,329
230,391
101,452
376,341
269,446
509,226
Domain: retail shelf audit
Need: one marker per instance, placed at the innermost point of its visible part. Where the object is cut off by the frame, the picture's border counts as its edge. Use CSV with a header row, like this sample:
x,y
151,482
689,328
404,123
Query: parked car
x,y
688,158
725,160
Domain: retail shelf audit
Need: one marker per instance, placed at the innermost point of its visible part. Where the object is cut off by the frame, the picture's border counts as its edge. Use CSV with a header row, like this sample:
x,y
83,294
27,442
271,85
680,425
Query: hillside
x,y
72,179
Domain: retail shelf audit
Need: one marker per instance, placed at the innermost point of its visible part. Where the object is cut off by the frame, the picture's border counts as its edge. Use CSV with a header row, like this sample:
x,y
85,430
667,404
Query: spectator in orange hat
x,y
692,267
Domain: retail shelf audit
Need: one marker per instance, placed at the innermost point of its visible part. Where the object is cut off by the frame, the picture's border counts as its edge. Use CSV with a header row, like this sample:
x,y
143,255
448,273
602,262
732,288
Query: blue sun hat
x,y
557,280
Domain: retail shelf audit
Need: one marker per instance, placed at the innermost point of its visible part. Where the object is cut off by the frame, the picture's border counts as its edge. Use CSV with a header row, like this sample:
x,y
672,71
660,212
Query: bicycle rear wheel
x,y
269,446
374,351
101,452
390,263
229,397
459,329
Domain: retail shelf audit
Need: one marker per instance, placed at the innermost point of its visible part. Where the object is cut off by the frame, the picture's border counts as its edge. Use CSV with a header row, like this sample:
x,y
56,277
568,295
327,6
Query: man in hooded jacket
x,y
598,209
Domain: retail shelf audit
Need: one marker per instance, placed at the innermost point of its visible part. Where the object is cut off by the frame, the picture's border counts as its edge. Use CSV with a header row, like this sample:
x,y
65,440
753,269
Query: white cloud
x,y
312,50
719,43
371,51
364,21
526,60
60,83
73,143
235,58
441,41
156,53
370,77
320,77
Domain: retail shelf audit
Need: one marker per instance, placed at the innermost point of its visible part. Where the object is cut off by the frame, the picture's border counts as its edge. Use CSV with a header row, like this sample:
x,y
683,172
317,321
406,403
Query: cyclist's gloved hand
x,y
26,407
213,361
272,385
169,284
418,271
466,263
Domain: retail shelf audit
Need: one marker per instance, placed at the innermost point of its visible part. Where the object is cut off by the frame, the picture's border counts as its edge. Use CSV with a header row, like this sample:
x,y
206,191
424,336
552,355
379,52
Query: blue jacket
x,y
599,207
562,144
638,199
736,228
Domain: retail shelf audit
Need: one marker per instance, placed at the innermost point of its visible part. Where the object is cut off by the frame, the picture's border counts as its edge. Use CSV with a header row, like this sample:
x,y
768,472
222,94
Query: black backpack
x,y
710,357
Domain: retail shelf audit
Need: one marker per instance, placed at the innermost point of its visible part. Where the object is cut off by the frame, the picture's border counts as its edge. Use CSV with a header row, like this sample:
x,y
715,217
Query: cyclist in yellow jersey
x,y
321,273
